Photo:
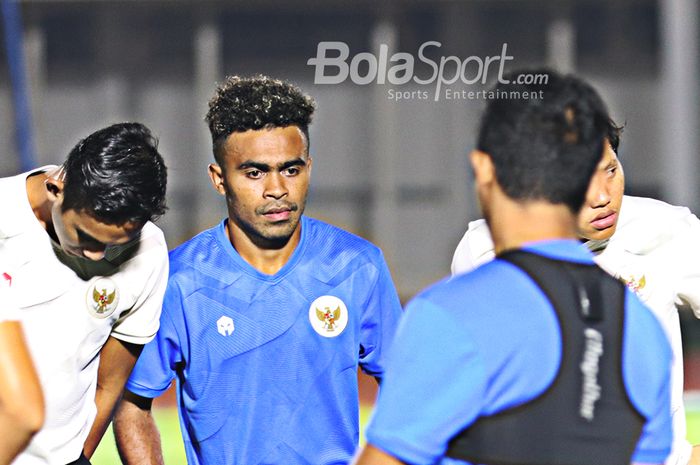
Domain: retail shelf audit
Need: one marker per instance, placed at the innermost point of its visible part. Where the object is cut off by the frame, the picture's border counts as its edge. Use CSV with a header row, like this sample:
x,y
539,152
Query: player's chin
x,y
600,234
280,230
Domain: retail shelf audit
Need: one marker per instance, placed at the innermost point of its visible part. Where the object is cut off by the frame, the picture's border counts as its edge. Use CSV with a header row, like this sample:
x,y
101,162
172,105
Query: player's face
x,y
598,217
265,179
82,235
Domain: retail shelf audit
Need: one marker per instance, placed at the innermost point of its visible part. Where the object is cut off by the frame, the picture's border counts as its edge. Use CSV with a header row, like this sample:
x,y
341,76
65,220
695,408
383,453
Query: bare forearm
x,y
14,437
21,399
106,402
136,433
695,456
117,358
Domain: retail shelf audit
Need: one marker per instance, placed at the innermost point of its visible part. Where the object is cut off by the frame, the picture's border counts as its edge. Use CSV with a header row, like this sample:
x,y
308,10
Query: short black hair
x,y
244,103
615,135
116,175
546,148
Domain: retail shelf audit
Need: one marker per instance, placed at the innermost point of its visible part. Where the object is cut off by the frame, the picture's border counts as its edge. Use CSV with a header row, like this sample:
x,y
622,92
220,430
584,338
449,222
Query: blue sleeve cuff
x,y
144,391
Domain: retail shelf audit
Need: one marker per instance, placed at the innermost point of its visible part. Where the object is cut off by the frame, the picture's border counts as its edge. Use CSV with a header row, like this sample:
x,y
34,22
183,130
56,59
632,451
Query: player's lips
x,y
281,215
278,213
604,220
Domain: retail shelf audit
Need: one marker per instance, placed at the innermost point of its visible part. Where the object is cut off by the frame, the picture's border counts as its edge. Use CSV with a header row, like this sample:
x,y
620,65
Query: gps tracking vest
x,y
585,416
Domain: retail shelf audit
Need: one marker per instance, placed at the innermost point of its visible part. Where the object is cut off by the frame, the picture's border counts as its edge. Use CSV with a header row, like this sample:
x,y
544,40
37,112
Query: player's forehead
x,y
261,145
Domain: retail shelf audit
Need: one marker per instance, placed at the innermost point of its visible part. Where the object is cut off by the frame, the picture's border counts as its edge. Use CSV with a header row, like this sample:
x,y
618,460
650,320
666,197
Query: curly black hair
x,y
257,102
116,175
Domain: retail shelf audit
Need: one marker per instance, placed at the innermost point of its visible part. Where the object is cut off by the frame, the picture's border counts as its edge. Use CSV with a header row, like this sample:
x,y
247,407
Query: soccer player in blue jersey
x,y
537,357
267,315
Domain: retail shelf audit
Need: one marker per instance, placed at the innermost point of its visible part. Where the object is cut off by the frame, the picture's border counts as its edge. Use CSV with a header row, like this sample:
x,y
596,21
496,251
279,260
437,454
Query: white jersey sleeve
x,y
140,324
687,282
9,311
475,248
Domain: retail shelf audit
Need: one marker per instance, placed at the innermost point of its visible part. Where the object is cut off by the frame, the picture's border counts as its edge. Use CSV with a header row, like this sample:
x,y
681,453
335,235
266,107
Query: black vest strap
x,y
585,416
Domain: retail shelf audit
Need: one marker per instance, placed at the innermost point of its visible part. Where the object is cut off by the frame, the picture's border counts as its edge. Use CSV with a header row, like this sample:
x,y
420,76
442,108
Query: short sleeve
x,y
380,317
475,248
421,372
156,366
9,311
141,323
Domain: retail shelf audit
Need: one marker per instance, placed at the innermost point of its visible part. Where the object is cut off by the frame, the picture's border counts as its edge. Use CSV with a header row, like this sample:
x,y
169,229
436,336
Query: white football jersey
x,y
656,251
69,306
8,306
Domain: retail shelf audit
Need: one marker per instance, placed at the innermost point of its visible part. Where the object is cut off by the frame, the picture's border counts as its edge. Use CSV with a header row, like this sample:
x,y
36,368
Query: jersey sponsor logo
x,y
6,280
225,326
590,391
328,316
102,298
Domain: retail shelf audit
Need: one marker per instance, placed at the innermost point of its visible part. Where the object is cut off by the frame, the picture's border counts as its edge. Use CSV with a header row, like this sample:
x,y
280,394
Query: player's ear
x,y
54,188
484,169
309,164
216,175
55,182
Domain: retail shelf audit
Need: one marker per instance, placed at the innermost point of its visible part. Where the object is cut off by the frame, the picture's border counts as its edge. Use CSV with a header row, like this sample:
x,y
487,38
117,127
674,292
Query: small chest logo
x,y
636,285
102,298
6,280
225,326
328,316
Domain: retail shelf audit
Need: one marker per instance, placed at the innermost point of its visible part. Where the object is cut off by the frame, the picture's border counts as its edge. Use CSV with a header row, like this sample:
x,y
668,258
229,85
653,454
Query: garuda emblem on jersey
x,y
636,285
328,316
102,297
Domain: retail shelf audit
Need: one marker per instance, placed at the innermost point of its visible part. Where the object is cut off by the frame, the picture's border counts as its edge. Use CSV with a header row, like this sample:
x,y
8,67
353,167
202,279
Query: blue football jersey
x,y
266,365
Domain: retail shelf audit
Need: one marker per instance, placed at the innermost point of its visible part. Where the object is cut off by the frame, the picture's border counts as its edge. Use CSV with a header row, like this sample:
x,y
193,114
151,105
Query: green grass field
x,y
693,418
174,453
169,426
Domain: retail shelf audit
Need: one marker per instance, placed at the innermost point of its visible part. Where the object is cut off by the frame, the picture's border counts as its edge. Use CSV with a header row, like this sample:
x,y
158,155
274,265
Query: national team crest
x,y
636,285
102,298
328,316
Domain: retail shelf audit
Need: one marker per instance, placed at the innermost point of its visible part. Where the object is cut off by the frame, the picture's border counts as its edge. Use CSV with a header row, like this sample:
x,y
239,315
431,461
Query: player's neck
x,y
266,259
517,224
39,200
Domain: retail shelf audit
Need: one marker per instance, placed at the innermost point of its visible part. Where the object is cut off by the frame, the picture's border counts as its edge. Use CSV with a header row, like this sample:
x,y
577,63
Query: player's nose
x,y
275,186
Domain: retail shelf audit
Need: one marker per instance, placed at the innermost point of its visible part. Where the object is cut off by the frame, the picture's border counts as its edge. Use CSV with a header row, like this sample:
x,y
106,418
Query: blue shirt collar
x,y
561,249
223,239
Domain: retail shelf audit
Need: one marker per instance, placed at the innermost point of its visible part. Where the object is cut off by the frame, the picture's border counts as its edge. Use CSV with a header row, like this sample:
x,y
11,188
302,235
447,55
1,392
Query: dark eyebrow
x,y
288,164
264,167
85,237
